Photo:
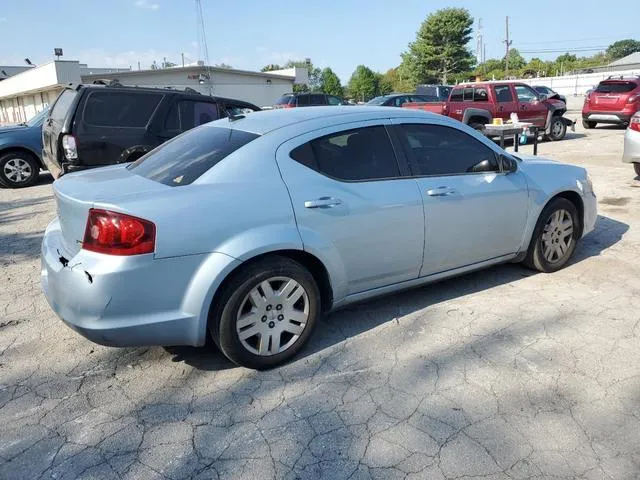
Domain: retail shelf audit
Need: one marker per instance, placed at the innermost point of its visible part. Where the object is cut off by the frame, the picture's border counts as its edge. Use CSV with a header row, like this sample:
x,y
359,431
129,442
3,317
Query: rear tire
x,y
588,125
636,167
557,129
478,126
18,170
555,236
255,302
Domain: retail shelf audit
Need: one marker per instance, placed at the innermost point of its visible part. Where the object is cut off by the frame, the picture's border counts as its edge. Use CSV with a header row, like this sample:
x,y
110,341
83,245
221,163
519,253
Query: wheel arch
x,y
476,113
22,149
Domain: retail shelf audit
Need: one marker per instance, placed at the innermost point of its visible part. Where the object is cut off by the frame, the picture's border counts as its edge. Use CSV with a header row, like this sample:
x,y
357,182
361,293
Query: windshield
x,y
377,100
182,160
37,120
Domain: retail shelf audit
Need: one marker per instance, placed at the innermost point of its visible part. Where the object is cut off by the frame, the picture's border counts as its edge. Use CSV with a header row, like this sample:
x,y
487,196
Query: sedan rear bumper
x,y
122,301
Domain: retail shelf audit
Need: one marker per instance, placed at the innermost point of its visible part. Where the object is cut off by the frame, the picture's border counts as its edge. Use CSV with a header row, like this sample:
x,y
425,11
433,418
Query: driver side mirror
x,y
543,96
509,165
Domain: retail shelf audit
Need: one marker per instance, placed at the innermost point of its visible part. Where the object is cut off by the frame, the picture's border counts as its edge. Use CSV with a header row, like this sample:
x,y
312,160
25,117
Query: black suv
x,y
290,100
96,125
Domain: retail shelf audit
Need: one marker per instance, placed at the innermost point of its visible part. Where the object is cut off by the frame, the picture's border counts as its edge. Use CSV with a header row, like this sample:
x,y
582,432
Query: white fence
x,y
576,84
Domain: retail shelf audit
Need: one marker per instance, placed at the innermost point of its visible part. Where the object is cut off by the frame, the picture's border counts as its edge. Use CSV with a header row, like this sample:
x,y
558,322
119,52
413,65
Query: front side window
x,y
503,93
353,155
120,109
439,150
526,94
186,114
185,158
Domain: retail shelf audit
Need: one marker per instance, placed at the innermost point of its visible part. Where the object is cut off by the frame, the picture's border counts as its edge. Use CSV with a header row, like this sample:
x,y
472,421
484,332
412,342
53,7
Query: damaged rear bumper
x,y
120,301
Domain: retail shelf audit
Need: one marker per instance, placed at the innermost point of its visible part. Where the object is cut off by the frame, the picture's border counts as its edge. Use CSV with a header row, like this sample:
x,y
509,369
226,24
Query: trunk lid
x,y
76,193
611,95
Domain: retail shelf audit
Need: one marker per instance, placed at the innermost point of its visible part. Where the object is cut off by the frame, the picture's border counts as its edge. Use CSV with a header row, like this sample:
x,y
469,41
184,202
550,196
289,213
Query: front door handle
x,y
442,192
322,202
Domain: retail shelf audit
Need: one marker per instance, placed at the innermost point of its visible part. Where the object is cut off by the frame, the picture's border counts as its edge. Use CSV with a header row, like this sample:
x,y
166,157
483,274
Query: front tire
x,y
636,167
555,236
557,130
18,170
588,125
266,313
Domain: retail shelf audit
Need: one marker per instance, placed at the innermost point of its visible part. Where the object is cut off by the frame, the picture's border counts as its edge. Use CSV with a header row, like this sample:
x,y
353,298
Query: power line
x,y
566,50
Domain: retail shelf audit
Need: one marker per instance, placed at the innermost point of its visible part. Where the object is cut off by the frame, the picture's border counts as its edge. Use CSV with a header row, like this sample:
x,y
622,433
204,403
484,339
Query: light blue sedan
x,y
248,229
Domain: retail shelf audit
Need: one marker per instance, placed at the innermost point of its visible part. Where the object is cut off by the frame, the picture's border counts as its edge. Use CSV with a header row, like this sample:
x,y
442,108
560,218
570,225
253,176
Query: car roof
x,y
269,120
193,93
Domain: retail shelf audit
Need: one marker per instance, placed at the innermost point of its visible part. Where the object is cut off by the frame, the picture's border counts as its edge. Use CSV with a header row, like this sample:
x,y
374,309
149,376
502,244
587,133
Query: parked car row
x,y
477,104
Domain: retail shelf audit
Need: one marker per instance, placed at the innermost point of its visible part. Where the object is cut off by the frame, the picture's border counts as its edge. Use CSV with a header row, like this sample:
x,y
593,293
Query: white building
x,y
259,88
26,93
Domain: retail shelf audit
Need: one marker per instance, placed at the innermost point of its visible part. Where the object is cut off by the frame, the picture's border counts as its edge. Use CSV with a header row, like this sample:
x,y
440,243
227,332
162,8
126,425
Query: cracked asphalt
x,y
501,374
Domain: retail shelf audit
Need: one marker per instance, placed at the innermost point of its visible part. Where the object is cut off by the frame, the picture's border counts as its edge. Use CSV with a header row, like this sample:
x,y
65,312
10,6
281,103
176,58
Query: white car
x,y
632,143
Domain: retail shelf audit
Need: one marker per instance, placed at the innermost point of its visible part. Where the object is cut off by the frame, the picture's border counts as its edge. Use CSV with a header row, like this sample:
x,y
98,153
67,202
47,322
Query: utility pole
x,y
479,42
182,59
508,43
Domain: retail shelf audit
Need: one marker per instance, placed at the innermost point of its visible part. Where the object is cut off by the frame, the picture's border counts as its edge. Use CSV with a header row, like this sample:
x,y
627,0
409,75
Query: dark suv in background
x,y
291,100
95,125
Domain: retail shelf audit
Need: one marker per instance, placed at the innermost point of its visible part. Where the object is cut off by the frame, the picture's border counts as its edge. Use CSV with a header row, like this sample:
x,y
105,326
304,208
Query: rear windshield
x,y
62,105
284,100
615,87
120,109
185,158
444,92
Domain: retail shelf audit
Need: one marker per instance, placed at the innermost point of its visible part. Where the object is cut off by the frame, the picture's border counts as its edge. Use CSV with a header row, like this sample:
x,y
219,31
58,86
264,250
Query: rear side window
x,y
353,155
62,105
456,95
303,100
503,93
615,87
317,100
480,94
185,158
120,109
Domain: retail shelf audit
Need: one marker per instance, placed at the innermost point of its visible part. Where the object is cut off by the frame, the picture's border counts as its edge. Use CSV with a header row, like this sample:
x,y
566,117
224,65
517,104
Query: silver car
x,y
632,143
248,229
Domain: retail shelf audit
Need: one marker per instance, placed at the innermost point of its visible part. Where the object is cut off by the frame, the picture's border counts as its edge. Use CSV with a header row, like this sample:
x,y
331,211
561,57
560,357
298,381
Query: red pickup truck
x,y
477,104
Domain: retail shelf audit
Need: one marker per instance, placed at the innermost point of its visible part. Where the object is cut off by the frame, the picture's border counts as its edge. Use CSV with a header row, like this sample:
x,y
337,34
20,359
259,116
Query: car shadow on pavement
x,y
362,317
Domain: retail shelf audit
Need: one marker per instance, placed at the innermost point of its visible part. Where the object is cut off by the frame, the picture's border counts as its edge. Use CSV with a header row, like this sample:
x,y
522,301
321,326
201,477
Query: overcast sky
x,y
249,34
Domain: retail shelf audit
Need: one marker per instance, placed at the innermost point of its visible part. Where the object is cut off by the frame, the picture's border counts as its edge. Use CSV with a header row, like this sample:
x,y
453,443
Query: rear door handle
x,y
442,192
322,202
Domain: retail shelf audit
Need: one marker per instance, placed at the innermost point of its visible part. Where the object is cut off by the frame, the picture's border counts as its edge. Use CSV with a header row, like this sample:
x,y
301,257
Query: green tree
x,y
383,84
271,67
622,48
440,48
516,61
330,83
363,84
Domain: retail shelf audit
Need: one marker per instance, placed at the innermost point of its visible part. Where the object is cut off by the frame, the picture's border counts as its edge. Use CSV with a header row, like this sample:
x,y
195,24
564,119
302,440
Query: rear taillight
x,y
69,146
634,124
115,233
289,105
633,98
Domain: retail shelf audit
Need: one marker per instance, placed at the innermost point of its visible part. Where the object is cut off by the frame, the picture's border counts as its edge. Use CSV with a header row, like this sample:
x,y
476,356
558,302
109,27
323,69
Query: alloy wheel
x,y
272,316
17,170
557,236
